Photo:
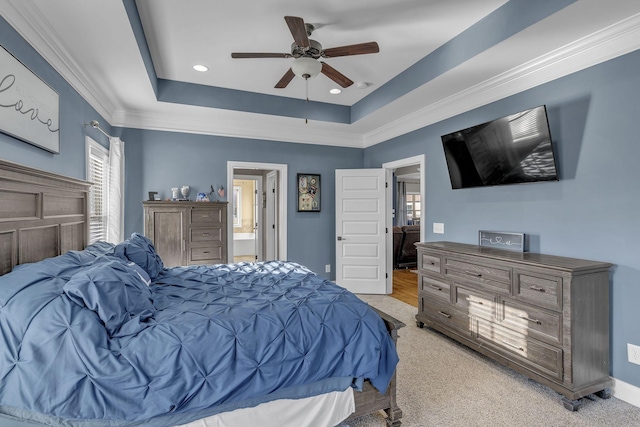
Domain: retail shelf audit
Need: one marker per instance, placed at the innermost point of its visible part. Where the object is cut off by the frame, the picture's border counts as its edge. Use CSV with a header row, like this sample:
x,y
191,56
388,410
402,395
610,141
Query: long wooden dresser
x,y
544,316
187,233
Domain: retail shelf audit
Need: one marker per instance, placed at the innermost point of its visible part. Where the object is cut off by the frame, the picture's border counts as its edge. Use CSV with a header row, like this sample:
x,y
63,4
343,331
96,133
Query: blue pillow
x,y
100,248
140,250
115,291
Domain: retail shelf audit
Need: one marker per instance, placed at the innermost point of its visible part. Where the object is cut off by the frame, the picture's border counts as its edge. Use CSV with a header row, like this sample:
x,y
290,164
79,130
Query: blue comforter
x,y
109,334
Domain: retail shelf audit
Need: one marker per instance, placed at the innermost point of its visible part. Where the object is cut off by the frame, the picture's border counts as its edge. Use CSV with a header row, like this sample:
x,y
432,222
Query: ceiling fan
x,y
307,53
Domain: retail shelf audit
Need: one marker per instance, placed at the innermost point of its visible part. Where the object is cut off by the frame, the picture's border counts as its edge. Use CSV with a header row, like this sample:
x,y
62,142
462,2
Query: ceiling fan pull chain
x,y
306,110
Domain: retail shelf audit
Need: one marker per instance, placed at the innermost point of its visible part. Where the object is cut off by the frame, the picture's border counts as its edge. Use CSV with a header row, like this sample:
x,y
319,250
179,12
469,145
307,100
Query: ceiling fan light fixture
x,y
335,91
306,67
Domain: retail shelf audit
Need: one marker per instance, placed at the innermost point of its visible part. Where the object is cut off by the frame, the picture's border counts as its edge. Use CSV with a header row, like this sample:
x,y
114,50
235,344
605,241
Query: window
x,y
97,169
413,209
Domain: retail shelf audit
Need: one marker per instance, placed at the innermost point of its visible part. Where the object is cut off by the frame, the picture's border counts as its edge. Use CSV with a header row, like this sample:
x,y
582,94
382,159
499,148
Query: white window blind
x,y
526,126
97,173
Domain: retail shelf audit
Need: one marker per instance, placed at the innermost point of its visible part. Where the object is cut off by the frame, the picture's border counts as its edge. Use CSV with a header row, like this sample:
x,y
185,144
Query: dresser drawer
x,y
539,289
496,278
208,255
534,322
446,315
543,358
429,262
435,287
475,303
209,234
206,216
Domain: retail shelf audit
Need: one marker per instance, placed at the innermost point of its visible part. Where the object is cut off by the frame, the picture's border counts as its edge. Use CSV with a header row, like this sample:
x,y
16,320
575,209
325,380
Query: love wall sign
x,y
29,108
502,240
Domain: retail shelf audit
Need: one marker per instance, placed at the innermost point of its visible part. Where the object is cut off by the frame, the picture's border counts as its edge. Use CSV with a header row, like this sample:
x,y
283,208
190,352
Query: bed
x,y
105,335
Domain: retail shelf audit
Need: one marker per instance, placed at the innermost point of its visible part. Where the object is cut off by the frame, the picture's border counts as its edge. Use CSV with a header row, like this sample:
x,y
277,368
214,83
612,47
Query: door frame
x,y
410,161
281,203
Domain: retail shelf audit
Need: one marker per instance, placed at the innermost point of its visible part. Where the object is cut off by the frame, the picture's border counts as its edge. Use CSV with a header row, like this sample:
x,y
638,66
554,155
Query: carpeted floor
x,y
442,383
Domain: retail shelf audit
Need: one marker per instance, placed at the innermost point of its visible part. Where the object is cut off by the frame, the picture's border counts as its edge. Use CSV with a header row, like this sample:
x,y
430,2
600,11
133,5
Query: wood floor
x,y
405,286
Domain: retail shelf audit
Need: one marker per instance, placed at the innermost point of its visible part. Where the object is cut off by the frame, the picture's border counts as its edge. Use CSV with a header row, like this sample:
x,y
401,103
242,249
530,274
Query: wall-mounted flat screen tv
x,y
510,150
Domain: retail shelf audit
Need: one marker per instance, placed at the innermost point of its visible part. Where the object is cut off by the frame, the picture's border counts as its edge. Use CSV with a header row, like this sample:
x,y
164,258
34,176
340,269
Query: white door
x,y
257,214
363,230
271,231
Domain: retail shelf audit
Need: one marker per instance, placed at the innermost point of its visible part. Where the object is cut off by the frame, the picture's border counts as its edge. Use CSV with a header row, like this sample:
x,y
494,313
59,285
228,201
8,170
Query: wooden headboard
x,y
42,214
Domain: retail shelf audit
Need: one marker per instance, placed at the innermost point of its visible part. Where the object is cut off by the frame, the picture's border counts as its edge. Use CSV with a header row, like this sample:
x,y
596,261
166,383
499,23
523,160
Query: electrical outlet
x,y
438,227
327,268
633,353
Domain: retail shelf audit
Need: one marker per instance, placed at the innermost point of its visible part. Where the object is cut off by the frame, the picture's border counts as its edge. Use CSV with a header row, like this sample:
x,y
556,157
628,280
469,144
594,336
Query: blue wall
x,y
158,161
590,213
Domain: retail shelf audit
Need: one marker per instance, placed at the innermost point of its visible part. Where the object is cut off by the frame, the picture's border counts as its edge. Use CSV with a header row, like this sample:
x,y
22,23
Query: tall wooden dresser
x,y
187,233
544,316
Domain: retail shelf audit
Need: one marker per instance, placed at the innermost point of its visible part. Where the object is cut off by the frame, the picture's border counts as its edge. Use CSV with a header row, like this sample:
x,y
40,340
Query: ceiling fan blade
x,y
354,49
240,55
336,75
285,80
298,30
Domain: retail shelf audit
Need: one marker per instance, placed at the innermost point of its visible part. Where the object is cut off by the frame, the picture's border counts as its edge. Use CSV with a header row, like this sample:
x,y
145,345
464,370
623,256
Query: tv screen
x,y
510,150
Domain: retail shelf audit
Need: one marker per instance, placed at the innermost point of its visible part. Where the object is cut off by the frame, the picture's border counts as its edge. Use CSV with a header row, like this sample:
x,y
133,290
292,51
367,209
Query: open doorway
x,y
409,223
257,214
248,205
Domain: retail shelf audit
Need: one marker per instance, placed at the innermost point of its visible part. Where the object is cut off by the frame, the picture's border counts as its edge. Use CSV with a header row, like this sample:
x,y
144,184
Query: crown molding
x,y
606,44
207,121
33,26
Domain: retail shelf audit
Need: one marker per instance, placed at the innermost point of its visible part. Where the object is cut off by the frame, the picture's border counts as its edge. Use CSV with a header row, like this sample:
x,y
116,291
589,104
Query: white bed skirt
x,y
325,410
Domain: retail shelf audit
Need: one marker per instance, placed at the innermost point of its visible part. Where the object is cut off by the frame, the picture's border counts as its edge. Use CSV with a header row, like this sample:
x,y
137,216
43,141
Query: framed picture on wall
x,y
308,192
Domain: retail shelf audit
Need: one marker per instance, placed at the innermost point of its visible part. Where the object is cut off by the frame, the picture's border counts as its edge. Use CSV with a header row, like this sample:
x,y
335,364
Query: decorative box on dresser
x,y
187,233
544,316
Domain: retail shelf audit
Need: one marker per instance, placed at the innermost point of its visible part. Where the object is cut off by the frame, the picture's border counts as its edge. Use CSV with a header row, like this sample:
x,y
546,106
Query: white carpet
x,y
442,383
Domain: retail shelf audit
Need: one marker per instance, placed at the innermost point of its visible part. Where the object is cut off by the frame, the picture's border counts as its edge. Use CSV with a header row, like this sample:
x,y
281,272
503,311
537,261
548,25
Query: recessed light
x,y
363,85
335,91
201,68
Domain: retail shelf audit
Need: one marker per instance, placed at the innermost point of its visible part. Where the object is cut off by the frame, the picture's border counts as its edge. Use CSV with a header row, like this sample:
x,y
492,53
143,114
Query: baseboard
x,y
627,392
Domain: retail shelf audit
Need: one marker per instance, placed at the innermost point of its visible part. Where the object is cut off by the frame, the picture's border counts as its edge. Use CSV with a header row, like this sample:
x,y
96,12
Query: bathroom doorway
x,y
248,195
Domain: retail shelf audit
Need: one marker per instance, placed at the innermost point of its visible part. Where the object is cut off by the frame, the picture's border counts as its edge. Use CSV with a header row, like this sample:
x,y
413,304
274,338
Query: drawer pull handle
x,y
432,263
205,234
205,216
508,344
537,288
437,288
205,252
442,313
536,321
473,273
476,302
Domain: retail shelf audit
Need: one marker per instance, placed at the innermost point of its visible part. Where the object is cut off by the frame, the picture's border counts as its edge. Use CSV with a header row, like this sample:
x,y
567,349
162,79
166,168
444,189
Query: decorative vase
x,y
185,190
